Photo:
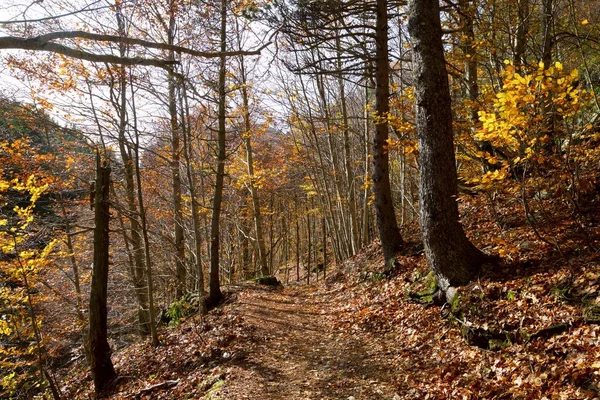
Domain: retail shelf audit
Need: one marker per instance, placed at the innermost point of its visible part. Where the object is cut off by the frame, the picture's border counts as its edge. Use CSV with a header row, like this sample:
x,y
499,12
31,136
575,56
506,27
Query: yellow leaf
x,y
585,22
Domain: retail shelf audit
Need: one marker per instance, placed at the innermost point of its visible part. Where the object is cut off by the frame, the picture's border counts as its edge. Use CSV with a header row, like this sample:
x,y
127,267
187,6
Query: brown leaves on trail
x,y
527,328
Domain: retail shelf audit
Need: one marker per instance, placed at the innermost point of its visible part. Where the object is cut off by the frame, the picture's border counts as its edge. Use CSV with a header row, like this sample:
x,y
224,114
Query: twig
x,y
162,385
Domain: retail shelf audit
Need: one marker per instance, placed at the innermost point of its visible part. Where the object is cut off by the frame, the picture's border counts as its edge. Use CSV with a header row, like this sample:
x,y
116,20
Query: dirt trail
x,y
299,355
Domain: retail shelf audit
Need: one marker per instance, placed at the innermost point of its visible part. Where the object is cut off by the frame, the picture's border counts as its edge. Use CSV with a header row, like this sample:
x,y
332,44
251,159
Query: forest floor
x,y
528,328
518,334
265,343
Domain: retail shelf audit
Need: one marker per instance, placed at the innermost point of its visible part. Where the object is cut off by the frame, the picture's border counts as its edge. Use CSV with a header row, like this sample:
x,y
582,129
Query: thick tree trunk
x,y
391,241
451,256
521,36
102,368
215,294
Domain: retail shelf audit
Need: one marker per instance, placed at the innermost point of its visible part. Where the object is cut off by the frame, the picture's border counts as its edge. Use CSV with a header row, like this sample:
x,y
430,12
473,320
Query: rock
x,y
542,195
269,281
526,246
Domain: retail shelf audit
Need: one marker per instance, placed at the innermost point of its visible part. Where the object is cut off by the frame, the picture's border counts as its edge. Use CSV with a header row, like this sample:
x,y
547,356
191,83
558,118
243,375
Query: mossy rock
x,y
268,281
591,314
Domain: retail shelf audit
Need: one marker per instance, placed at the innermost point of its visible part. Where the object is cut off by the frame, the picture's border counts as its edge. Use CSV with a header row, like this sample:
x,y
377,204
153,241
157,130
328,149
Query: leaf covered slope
x,y
527,328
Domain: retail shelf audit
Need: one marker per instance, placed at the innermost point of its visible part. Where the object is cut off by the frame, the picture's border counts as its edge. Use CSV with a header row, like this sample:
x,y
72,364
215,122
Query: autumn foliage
x,y
269,107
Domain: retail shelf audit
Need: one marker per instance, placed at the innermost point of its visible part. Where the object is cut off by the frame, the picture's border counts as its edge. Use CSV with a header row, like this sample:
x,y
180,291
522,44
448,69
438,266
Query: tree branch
x,y
45,43
10,42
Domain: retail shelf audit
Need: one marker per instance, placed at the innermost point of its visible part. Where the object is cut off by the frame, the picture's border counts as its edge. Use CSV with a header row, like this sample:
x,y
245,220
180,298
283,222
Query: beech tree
x,y
215,294
451,256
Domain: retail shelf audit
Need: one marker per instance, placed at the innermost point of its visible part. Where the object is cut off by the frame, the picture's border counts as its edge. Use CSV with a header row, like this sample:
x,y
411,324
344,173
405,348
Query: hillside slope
x,y
524,332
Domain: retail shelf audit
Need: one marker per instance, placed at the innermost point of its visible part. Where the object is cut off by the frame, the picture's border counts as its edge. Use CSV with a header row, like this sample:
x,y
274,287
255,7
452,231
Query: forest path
x,y
300,354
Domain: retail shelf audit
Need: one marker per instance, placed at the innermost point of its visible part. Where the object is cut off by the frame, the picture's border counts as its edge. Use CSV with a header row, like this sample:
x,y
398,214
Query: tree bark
x,y
137,268
521,36
247,136
102,368
180,267
215,294
451,256
391,241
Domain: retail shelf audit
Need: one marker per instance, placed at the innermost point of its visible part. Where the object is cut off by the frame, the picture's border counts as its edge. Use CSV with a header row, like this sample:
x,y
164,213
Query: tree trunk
x,y
391,241
138,268
191,176
547,48
521,36
102,368
73,260
309,249
140,197
366,207
467,16
215,294
180,268
247,136
297,247
350,184
548,37
451,256
324,223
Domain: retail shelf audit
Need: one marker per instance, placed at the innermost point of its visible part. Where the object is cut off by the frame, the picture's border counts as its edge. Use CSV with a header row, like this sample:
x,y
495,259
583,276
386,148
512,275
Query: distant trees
x,y
40,166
